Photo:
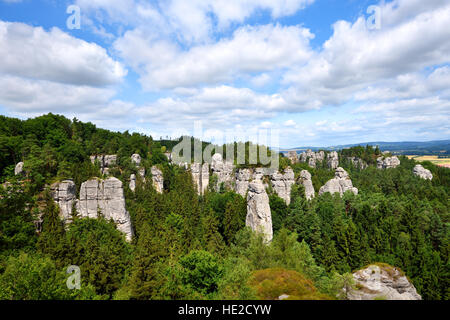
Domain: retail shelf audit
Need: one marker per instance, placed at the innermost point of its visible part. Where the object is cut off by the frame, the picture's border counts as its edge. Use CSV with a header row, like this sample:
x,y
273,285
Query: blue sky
x,y
316,72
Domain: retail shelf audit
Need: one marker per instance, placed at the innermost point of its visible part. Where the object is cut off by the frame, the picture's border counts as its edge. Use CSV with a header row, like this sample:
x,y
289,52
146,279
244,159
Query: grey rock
x,y
312,158
105,162
19,168
64,194
333,160
306,180
259,217
282,184
133,182
223,170
200,176
243,177
358,163
388,163
340,184
136,159
386,282
158,179
423,173
293,156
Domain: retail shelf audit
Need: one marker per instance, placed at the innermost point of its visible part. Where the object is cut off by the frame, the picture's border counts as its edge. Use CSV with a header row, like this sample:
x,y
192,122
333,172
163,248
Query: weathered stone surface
x,y
243,177
340,184
306,180
358,163
312,158
333,160
200,176
107,198
223,170
136,159
282,184
385,282
64,194
19,168
259,217
105,162
292,156
423,173
133,182
388,163
158,179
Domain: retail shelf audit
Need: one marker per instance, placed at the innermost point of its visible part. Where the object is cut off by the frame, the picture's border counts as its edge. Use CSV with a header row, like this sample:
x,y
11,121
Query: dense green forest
x,y
197,247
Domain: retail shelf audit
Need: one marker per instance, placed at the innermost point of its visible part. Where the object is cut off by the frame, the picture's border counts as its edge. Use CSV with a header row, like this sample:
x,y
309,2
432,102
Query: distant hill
x,y
440,147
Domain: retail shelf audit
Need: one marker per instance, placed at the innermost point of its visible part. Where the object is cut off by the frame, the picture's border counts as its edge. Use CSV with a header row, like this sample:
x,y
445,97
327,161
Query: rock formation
x,y
340,184
243,177
107,198
358,163
259,217
312,157
158,179
65,195
105,162
19,168
200,176
423,173
333,160
133,182
306,180
223,170
387,163
136,159
292,156
282,184
381,282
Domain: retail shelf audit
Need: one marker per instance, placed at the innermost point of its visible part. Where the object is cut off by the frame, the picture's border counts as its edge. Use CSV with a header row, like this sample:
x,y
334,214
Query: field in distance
x,y
444,162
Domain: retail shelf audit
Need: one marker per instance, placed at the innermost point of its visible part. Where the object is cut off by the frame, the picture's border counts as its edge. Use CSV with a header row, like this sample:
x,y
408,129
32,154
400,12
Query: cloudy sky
x,y
319,72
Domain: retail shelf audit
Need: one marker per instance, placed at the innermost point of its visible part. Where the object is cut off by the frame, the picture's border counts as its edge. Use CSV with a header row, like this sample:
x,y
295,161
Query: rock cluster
x,y
358,163
223,170
339,184
292,156
105,161
259,217
200,176
423,173
19,168
306,180
382,282
312,157
158,179
97,196
282,184
388,163
333,160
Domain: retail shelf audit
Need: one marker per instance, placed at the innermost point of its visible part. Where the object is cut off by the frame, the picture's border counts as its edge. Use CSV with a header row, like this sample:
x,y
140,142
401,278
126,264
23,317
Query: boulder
x,y
282,184
306,180
158,179
333,160
381,282
388,163
65,195
340,184
136,159
259,217
19,168
107,198
422,173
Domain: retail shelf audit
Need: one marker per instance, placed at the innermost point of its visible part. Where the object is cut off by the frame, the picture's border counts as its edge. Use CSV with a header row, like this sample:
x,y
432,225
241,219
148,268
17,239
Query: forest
x,y
187,246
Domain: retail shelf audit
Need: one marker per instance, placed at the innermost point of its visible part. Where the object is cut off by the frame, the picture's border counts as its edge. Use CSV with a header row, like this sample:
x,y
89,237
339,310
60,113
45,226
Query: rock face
x,y
64,194
387,163
292,156
282,184
200,176
358,163
223,170
105,161
423,173
306,180
259,217
243,177
133,182
107,198
333,160
19,168
158,179
312,157
385,282
136,159
340,184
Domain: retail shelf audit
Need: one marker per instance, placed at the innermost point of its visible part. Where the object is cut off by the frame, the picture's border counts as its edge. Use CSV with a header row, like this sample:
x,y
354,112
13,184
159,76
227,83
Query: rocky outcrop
x,y
243,177
381,282
105,162
388,163
422,173
132,184
312,157
223,170
200,176
340,184
136,159
358,163
105,197
158,179
306,180
259,217
282,184
292,156
65,195
333,160
19,168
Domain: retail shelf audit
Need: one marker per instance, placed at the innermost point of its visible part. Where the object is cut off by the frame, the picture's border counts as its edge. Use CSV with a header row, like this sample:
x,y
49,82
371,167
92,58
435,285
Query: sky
x,y
313,72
